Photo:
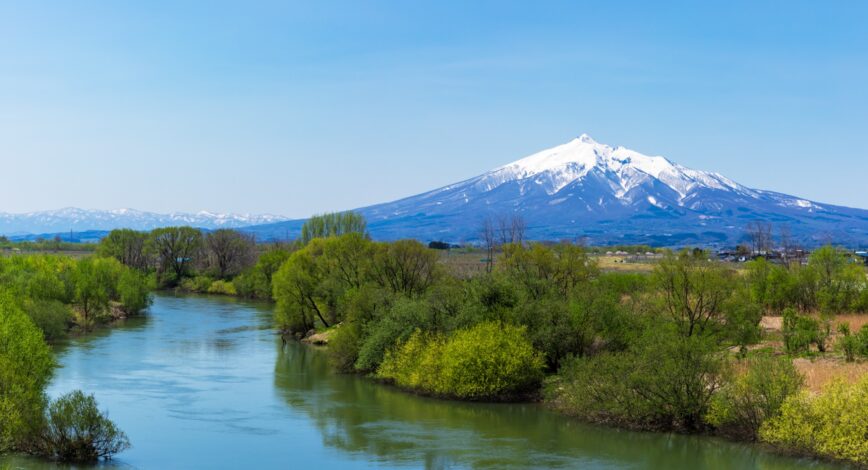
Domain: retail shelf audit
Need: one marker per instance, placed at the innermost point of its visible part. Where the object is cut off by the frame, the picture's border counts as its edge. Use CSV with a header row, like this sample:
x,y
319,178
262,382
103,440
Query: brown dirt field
x,y
819,372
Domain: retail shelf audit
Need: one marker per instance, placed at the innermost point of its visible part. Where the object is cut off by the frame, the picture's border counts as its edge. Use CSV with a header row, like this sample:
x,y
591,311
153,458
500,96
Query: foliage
x,y
489,360
801,331
130,247
228,252
753,396
333,225
832,424
665,380
255,282
222,287
694,290
77,431
847,342
196,284
26,365
395,326
176,248
51,316
133,291
405,266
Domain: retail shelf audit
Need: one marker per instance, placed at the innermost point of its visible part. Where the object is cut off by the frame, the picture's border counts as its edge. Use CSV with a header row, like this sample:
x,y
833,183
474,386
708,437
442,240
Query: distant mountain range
x,y
604,195
79,220
579,190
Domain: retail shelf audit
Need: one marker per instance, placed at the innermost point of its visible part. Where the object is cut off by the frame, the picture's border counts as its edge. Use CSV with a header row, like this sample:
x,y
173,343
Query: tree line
x,y
671,350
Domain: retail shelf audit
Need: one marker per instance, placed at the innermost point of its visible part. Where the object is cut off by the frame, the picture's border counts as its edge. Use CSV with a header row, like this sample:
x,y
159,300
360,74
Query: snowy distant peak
x,y
559,166
73,218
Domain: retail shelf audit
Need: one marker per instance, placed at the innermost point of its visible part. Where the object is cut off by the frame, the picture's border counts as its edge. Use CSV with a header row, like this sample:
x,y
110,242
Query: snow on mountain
x,y
74,219
585,189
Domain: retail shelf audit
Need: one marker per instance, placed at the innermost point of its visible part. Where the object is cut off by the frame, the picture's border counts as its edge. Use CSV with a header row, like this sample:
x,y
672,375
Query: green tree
x,y
127,246
694,290
177,249
94,282
405,266
743,404
332,225
26,365
77,431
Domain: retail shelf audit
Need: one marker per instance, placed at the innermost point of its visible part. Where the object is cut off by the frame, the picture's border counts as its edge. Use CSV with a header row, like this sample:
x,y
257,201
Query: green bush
x,y
399,322
663,381
799,331
222,288
847,342
198,284
862,341
488,361
343,350
754,396
833,424
26,365
134,291
51,316
77,431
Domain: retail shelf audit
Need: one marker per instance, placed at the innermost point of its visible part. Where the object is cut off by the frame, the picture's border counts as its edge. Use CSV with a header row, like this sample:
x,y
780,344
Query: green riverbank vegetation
x,y
678,349
683,345
42,298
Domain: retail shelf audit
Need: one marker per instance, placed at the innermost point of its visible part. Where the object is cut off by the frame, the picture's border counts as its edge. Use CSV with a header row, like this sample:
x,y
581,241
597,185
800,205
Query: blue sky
x,y
297,108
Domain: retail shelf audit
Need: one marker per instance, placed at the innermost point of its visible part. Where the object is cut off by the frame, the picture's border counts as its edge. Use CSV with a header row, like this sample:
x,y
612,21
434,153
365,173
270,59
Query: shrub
x,y
198,284
134,291
847,343
799,331
833,424
754,396
76,430
862,341
488,361
51,316
26,365
664,381
396,325
343,350
222,287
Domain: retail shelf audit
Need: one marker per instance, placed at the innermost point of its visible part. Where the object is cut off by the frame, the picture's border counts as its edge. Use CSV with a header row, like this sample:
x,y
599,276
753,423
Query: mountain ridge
x,y
76,219
586,190
580,189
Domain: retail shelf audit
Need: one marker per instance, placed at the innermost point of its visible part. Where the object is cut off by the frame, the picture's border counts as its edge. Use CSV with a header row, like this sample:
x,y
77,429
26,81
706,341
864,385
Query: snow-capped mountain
x,y
73,219
585,189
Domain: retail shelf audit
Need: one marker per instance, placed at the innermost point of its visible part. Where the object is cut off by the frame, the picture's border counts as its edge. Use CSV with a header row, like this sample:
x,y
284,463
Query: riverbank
x,y
203,381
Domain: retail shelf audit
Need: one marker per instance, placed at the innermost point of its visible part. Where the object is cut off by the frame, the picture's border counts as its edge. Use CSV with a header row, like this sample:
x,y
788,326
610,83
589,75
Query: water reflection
x,y
203,382
390,426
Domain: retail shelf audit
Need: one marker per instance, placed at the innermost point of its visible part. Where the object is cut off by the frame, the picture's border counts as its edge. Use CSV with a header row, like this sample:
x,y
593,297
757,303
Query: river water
x,y
203,382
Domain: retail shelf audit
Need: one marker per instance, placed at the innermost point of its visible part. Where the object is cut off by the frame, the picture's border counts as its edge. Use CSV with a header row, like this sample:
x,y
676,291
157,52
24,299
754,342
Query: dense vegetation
x,y
670,350
673,349
70,428
43,298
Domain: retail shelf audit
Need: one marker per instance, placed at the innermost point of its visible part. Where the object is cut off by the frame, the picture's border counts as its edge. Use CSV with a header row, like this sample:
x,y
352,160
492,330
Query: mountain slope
x,y
584,189
73,219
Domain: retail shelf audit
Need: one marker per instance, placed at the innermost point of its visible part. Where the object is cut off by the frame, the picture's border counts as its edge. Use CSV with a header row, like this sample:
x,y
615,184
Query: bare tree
x,y
760,235
229,252
489,242
787,245
511,229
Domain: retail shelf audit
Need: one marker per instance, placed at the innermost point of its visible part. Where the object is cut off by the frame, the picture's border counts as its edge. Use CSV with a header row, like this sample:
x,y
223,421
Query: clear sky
x,y
297,108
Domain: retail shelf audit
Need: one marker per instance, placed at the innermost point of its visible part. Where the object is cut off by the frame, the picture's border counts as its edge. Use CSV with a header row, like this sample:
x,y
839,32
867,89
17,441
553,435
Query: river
x,y
203,382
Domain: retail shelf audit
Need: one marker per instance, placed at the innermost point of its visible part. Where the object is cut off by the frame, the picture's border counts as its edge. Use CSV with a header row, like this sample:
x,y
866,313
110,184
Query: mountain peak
x,y
585,139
